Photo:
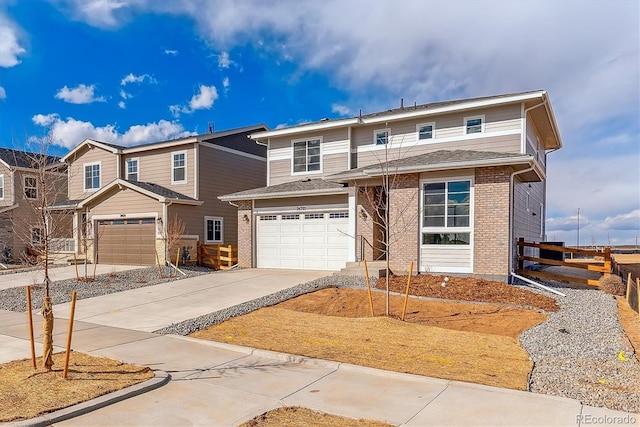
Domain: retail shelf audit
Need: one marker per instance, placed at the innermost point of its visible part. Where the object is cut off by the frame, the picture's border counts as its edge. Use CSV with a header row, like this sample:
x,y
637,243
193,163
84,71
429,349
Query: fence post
x,y
607,261
520,253
198,254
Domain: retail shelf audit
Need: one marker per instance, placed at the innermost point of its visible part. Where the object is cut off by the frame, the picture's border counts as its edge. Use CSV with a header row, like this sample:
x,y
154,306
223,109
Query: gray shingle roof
x,y
160,190
22,159
303,187
441,159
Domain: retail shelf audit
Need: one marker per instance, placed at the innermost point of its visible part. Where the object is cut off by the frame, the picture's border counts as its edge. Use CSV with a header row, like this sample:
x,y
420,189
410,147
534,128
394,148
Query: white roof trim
x,y
122,183
283,194
88,141
305,128
8,208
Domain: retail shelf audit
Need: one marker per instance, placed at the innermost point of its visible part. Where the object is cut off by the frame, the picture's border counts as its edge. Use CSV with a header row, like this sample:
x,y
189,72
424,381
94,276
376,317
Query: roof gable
x,y
22,159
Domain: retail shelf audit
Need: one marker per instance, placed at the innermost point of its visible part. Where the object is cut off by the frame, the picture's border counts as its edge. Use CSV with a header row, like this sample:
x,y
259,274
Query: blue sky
x,y
135,71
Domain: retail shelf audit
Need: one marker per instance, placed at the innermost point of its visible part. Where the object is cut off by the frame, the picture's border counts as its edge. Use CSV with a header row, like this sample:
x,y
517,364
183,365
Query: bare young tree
x,y
38,223
173,236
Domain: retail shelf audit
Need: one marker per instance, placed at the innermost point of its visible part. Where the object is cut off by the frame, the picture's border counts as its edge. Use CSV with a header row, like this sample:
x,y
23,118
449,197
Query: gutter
x,y
279,195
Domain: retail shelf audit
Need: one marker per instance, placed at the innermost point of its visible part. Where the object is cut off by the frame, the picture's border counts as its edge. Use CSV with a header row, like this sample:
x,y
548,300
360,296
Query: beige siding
x,y
108,170
156,166
125,202
8,186
533,146
334,151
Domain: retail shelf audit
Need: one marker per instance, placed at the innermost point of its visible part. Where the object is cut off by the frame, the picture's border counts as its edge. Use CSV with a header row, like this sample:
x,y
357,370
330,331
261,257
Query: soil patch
x,y
630,322
27,393
302,417
468,289
384,342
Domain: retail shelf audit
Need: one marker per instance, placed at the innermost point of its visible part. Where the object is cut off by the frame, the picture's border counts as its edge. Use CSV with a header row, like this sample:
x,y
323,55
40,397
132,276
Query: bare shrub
x,y
612,284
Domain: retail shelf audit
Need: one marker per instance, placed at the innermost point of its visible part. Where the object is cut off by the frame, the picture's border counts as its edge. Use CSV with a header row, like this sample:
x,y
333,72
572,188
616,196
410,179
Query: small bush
x,y
612,284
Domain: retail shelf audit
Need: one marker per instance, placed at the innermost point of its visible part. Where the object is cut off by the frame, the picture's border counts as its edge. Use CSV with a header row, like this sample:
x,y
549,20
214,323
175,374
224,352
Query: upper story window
x,y
425,131
213,229
1,187
179,167
474,124
381,136
132,170
92,176
30,187
306,156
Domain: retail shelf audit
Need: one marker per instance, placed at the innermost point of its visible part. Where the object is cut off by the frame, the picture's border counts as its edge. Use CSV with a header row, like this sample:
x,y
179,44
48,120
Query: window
x,y
306,156
314,216
425,131
474,124
447,205
37,233
92,176
132,170
338,215
290,217
1,187
30,187
268,217
179,167
212,229
381,136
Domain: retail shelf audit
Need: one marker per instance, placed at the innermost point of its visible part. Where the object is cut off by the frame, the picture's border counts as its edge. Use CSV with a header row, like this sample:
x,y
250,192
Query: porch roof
x,y
305,187
443,160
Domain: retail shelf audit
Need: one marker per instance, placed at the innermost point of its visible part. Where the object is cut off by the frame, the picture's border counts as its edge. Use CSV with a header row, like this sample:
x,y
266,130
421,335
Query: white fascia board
x,y
323,192
150,147
8,208
304,128
88,141
119,183
183,201
452,108
552,119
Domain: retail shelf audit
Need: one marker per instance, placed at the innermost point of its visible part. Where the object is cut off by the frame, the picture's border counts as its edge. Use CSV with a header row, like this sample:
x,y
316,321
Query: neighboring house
x,y
124,198
19,226
467,179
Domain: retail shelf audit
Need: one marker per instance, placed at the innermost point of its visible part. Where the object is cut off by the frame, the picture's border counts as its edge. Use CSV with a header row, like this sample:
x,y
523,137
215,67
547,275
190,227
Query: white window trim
x,y
126,165
433,132
213,218
445,229
42,232
24,186
173,154
2,186
375,137
527,201
84,176
541,220
313,138
466,120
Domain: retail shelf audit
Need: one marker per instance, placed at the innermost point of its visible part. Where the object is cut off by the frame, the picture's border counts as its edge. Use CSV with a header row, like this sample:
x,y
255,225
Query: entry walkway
x,y
216,384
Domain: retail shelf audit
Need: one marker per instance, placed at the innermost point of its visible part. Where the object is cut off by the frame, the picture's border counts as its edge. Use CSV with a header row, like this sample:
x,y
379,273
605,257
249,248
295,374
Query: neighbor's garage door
x,y
311,241
130,241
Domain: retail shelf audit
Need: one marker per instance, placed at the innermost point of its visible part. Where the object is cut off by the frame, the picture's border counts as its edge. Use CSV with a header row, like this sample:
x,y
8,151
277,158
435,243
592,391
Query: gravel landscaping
x,y
580,352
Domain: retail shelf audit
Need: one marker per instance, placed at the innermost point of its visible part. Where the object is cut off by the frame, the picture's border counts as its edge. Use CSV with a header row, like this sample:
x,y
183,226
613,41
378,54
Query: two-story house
x,y
125,198
449,186
20,227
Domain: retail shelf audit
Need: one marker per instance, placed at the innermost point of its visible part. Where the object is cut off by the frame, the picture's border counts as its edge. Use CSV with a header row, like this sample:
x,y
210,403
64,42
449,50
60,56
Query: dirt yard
x,y
452,340
27,393
302,417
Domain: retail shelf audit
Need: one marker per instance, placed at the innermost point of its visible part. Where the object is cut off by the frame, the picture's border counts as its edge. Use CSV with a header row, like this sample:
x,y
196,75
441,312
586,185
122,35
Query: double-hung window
x,y
132,170
179,167
306,156
474,124
1,187
30,187
213,230
381,136
425,131
92,176
446,218
37,234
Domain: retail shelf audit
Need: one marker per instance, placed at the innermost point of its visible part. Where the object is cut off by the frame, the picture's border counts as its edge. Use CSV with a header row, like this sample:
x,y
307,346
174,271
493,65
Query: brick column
x,y
404,221
245,234
491,222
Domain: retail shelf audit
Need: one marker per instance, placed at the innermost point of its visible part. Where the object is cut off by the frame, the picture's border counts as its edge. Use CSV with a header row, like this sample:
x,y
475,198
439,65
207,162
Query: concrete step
x,y
376,269
77,260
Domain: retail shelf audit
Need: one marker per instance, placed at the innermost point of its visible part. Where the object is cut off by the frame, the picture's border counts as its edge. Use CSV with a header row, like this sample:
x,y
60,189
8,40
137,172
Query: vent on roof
x,y
306,180
211,126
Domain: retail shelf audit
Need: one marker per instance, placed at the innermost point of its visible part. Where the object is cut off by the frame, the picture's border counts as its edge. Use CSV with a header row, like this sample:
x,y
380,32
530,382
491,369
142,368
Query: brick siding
x,y
404,220
245,241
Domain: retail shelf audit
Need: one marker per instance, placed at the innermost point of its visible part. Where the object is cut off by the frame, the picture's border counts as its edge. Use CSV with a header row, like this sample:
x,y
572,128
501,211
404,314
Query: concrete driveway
x,y
151,308
33,277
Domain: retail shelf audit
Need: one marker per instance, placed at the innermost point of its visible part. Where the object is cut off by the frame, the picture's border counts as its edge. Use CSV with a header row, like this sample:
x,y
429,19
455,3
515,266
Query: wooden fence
x,y
605,268
217,256
632,282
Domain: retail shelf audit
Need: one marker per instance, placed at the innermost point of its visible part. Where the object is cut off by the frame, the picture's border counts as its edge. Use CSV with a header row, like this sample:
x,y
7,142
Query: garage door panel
x,y
130,242
290,240
314,227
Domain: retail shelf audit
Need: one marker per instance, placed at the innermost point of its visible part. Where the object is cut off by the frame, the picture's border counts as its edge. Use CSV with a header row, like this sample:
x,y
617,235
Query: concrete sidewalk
x,y
35,277
223,385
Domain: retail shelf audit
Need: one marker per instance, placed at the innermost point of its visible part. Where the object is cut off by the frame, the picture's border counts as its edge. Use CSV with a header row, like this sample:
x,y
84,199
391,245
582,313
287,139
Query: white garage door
x,y
309,241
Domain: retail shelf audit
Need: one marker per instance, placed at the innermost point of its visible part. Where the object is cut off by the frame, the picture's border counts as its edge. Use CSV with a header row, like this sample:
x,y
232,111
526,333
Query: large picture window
x,y
446,218
306,156
92,176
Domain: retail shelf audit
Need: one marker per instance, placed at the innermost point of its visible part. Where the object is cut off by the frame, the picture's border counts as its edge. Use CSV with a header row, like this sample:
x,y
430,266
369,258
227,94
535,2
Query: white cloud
x,y
10,48
132,78
82,94
171,52
125,95
99,13
70,132
341,110
3,93
225,83
223,60
122,105
203,100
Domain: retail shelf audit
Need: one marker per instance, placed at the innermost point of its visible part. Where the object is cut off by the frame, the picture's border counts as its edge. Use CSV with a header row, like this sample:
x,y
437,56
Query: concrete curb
x,y
161,378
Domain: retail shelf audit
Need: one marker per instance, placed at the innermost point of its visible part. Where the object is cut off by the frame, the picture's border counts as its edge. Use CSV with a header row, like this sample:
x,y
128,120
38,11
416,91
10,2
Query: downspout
x,y
512,196
165,221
